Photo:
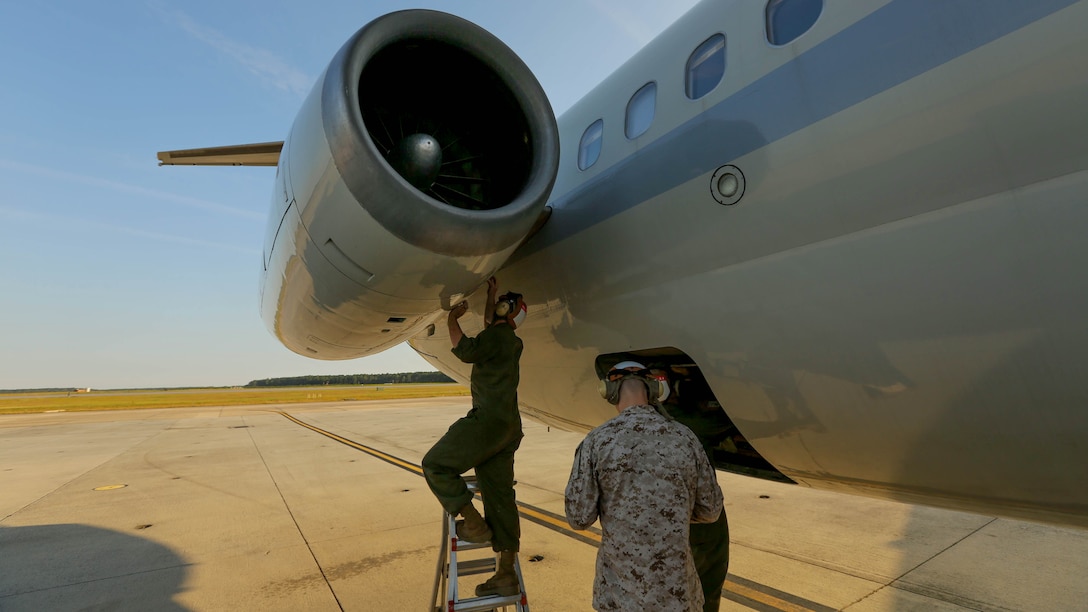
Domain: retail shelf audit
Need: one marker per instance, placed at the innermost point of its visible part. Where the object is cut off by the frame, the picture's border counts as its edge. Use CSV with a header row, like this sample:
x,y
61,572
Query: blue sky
x,y
119,273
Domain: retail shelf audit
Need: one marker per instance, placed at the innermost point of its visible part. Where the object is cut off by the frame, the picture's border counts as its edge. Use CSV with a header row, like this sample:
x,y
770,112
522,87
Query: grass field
x,y
18,403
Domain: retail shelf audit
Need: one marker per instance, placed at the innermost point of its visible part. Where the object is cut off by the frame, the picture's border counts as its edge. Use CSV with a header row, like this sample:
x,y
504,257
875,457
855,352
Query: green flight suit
x,y
485,438
709,541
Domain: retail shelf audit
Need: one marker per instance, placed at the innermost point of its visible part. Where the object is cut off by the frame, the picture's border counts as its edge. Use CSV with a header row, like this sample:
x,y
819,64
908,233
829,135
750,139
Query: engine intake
x,y
420,160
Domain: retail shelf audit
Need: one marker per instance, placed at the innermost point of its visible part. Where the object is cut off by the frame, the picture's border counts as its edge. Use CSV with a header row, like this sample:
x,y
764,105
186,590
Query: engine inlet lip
x,y
366,173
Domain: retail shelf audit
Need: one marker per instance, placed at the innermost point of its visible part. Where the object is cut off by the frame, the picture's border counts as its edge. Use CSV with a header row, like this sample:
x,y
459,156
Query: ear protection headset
x,y
511,306
505,306
657,389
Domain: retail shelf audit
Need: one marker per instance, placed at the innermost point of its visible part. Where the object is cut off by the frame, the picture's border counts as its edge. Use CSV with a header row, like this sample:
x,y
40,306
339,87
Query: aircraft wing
x,y
259,154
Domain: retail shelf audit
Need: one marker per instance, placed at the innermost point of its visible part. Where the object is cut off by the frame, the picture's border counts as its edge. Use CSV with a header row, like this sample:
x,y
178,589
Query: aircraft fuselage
x,y
895,306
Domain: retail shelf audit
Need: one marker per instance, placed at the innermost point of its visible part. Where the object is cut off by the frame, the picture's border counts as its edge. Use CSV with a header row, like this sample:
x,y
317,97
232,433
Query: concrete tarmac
x,y
242,508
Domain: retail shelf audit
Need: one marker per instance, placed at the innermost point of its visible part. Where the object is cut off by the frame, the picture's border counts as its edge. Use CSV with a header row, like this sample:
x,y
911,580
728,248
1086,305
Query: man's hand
x,y
492,286
458,311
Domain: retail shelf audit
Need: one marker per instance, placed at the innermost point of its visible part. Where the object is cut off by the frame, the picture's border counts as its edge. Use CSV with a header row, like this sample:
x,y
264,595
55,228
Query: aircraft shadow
x,y
78,567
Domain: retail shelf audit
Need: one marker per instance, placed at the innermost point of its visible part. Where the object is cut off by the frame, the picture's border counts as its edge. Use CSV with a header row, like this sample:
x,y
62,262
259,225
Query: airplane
x,y
858,226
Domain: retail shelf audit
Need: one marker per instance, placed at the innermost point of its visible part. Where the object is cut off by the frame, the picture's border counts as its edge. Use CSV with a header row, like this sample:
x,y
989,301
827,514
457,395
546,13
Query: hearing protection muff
x,y
511,307
505,306
657,390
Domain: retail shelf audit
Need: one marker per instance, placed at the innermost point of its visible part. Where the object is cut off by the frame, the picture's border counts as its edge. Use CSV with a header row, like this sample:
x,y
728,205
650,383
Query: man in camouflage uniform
x,y
646,477
486,438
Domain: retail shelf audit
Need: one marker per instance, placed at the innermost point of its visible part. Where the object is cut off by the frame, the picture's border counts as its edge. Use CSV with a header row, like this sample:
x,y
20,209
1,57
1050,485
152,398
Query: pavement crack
x,y
944,550
97,466
294,520
94,580
900,583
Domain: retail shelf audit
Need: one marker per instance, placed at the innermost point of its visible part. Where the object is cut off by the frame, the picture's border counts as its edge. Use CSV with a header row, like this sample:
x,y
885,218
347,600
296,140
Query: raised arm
x,y
455,327
492,296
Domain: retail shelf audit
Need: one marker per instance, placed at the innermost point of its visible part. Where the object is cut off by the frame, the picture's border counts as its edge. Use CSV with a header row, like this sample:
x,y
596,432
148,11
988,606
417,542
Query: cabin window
x,y
789,19
706,66
589,150
640,110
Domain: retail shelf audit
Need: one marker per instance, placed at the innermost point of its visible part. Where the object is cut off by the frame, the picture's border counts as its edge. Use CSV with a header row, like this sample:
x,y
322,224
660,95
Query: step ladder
x,y
451,567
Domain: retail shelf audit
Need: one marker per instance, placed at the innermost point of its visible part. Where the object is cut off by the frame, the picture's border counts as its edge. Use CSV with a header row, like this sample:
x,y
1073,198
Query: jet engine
x,y
420,160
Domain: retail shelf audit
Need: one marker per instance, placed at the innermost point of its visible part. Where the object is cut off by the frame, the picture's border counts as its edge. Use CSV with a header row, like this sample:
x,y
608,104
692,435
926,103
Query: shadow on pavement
x,y
77,567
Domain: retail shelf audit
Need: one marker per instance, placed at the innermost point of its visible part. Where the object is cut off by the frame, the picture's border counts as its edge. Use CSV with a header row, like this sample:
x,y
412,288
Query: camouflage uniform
x,y
646,476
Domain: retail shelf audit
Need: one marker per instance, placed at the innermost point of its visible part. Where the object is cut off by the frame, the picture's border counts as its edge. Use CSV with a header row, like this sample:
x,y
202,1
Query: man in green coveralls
x,y
693,404
486,437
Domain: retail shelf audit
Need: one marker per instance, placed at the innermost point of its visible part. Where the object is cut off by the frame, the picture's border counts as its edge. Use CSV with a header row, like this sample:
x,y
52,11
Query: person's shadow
x,y
78,567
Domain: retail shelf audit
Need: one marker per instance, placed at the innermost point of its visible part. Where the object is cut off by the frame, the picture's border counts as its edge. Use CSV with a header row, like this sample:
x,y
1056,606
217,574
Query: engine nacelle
x,y
421,159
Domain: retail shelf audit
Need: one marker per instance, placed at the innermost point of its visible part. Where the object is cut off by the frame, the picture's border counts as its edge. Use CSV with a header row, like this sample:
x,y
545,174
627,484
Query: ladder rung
x,y
446,581
475,566
463,545
478,604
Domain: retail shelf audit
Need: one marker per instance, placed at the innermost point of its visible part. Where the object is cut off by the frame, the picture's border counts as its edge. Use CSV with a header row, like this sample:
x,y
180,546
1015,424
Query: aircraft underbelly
x,y
938,357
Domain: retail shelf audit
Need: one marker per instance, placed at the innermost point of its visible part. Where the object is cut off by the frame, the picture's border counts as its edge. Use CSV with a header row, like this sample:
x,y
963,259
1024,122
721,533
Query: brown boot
x,y
505,580
473,528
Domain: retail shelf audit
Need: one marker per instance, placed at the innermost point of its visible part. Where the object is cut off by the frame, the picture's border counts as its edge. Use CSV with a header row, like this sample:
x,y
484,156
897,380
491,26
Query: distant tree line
x,y
352,379
41,390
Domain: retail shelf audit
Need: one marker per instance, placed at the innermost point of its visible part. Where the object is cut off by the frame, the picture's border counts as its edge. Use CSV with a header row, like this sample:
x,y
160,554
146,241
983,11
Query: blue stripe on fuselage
x,y
894,44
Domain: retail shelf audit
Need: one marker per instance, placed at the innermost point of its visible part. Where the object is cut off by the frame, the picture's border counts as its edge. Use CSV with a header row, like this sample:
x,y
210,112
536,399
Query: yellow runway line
x,y
739,590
